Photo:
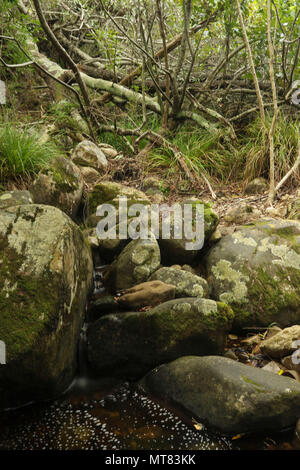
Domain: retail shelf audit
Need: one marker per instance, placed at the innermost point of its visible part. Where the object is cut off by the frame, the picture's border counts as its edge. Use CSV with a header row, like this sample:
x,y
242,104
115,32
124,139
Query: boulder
x,y
90,175
108,192
230,397
130,344
149,293
257,186
139,259
60,185
256,270
108,150
15,198
186,283
46,273
175,251
102,306
89,154
283,343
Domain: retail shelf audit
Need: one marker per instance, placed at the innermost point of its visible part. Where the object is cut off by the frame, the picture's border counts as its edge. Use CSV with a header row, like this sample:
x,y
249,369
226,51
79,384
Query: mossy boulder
x,y
15,198
60,185
230,397
175,251
186,284
131,344
108,192
45,275
256,270
139,259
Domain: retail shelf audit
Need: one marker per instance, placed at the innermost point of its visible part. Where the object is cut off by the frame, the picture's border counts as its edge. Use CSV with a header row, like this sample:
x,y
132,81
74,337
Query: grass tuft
x,y
21,153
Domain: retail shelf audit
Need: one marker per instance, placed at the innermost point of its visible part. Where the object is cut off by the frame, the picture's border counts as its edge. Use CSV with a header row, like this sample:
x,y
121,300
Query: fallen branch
x,y
290,172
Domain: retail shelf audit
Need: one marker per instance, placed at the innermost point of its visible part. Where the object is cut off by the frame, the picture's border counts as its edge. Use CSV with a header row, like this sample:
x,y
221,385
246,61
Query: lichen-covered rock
x,y
45,275
60,185
130,344
139,259
109,192
15,198
186,284
229,396
89,154
174,251
150,293
256,270
284,343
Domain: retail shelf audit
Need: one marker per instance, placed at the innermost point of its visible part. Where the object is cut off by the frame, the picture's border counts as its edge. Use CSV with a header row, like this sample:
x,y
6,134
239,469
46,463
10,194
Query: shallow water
x,y
124,419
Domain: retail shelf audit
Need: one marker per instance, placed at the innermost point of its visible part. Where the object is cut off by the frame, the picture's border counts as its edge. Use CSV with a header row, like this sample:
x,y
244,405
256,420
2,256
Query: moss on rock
x,y
45,275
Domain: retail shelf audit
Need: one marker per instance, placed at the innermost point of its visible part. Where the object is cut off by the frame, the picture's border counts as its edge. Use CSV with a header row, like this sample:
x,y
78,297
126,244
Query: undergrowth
x,y
217,156
21,153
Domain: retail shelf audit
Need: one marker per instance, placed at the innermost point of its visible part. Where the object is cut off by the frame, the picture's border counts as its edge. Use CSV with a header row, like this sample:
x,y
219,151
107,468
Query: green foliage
x,y
246,158
204,152
255,155
21,153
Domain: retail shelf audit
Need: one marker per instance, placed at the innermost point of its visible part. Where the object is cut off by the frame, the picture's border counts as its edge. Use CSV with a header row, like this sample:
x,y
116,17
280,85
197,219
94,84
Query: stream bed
x,y
108,415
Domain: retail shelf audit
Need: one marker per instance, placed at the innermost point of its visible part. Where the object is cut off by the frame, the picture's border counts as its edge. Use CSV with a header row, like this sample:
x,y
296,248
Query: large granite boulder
x,y
60,185
131,344
256,270
45,275
229,396
175,250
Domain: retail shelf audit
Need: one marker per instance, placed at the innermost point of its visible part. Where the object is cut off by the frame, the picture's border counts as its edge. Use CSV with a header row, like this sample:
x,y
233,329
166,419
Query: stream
x,y
109,414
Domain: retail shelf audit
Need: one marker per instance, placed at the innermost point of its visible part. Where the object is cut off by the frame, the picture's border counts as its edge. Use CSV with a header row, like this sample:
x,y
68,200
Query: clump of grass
x,y
254,153
205,153
216,156
21,153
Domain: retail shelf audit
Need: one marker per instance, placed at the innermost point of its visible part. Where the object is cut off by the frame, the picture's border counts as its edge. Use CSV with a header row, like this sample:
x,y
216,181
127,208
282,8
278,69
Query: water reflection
x,y
124,419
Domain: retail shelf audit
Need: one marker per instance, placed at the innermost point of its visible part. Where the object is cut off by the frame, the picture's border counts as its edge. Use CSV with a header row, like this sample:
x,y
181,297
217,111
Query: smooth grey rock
x,y
229,396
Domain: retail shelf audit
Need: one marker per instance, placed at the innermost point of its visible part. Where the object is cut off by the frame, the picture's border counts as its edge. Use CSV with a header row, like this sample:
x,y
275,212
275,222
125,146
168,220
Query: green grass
x,y
21,153
204,152
217,156
255,155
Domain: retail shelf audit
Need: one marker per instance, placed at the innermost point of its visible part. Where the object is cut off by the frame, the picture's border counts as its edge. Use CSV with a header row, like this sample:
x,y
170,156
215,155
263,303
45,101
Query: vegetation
x,y
21,153
206,89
